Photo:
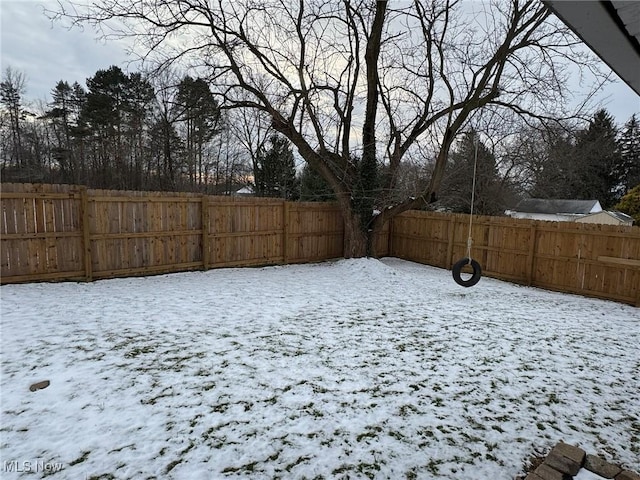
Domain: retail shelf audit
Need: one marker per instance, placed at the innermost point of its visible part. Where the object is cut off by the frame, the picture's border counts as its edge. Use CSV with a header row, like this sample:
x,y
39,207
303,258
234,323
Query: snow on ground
x,y
348,369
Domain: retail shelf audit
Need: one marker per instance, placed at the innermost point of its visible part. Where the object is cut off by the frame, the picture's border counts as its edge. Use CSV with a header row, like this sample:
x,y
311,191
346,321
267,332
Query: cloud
x,y
47,52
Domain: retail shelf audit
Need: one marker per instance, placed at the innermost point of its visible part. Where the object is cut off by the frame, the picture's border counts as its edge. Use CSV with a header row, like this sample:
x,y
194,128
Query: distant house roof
x,y
616,218
246,190
554,206
623,217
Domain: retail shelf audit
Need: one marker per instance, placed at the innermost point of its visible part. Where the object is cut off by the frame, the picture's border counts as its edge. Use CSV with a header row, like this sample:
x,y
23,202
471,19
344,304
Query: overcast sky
x,y
47,53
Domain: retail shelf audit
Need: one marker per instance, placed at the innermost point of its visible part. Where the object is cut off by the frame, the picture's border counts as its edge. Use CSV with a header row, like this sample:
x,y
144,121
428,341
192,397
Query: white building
x,y
607,218
554,210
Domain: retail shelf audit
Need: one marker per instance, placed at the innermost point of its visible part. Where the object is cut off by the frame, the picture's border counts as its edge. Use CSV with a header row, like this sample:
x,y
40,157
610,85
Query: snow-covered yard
x,y
348,369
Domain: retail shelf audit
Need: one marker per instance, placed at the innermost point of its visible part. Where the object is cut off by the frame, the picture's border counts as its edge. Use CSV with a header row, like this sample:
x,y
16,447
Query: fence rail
x,y
65,232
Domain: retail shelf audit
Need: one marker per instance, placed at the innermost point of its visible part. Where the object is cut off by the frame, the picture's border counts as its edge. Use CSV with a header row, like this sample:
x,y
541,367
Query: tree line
x,y
596,161
123,132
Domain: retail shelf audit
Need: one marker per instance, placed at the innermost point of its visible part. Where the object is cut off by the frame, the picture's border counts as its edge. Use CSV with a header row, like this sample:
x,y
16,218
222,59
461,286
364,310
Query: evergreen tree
x,y
116,114
314,188
104,113
583,164
199,112
553,166
275,172
64,116
628,172
139,103
165,150
630,204
490,195
597,160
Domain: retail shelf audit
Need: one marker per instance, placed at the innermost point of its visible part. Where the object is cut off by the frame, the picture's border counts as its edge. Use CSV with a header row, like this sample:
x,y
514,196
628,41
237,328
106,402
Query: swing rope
x,y
457,268
473,197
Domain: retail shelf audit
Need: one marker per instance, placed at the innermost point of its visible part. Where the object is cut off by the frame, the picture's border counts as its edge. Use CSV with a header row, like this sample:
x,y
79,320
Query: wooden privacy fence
x,y
57,232
63,232
593,260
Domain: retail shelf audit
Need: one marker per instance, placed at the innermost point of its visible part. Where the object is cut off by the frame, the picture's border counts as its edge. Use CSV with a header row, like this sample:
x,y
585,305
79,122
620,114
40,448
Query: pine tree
x,y
165,152
116,112
490,195
199,112
139,98
628,173
314,188
104,115
597,160
554,168
275,173
64,117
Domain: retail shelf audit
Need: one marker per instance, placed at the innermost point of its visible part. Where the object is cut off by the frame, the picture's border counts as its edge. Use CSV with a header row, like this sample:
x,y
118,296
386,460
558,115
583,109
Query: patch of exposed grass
x,y
297,462
137,351
247,468
372,432
80,459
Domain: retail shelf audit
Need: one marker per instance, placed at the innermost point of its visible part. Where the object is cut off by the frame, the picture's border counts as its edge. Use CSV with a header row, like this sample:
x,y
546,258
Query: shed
x,y
607,218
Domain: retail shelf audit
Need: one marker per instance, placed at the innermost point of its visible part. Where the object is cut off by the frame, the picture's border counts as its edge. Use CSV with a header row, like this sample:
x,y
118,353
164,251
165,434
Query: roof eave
x,y
598,26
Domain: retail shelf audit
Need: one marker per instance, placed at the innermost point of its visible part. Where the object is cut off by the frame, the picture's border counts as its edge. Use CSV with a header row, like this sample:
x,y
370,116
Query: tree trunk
x,y
356,241
355,236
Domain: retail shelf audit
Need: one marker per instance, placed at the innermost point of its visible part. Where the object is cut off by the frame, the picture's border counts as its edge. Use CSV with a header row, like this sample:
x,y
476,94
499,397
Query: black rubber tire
x,y
457,272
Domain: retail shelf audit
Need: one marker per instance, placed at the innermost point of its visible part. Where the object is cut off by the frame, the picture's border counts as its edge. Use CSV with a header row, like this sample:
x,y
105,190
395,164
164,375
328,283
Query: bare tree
x,y
356,84
12,88
251,129
230,169
166,150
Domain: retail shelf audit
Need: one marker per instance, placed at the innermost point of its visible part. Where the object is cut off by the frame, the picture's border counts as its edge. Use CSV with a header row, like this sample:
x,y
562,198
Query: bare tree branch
x,y
358,84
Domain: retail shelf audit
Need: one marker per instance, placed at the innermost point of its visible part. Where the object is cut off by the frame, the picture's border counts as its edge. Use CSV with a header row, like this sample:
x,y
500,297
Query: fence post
x,y
206,257
285,232
488,241
450,235
532,253
390,237
86,233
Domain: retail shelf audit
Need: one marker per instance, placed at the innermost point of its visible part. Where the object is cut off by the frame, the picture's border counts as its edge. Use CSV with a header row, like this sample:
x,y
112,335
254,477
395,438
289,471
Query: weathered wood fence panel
x,y
41,233
133,233
588,259
314,230
54,232
68,232
244,231
601,261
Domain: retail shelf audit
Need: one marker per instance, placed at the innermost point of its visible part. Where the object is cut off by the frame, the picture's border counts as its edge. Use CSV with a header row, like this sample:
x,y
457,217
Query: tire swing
x,y
457,268
457,272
